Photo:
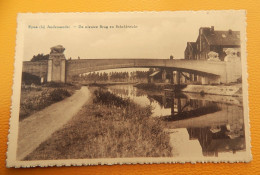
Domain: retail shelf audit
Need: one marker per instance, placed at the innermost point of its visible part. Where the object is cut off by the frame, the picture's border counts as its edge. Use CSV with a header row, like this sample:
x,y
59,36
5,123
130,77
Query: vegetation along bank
x,y
107,127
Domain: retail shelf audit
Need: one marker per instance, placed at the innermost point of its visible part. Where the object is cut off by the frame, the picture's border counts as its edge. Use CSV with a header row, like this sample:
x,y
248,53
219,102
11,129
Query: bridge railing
x,y
87,65
228,71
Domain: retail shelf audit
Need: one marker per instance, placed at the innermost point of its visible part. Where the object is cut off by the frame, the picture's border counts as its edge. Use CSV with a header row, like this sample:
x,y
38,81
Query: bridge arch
x,y
58,69
225,71
64,70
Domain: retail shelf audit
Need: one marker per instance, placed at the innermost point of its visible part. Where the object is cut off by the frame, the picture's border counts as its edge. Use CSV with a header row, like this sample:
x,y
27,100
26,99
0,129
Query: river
x,y
198,126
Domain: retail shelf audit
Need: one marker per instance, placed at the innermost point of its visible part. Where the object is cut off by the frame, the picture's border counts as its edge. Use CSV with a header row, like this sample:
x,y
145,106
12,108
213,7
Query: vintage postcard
x,y
129,87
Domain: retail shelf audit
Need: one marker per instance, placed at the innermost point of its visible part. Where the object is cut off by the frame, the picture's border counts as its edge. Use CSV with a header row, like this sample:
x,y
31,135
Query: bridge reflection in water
x,y
198,125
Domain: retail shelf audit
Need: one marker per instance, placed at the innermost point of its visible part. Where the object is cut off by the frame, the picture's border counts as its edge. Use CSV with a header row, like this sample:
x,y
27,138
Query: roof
x,y
193,45
223,37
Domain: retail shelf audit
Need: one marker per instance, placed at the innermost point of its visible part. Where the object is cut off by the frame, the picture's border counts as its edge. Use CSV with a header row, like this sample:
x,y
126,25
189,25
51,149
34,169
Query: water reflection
x,y
198,125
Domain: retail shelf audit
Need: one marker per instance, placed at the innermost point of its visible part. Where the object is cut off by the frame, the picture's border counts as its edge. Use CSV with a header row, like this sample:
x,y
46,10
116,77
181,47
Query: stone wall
x,y
37,68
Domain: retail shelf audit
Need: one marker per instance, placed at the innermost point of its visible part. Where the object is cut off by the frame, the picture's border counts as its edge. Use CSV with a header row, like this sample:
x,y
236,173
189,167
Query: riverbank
x,y
107,127
37,97
39,126
234,90
159,86
103,84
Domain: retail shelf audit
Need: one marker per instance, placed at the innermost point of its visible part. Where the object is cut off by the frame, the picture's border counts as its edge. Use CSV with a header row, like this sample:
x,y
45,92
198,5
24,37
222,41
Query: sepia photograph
x,y
129,87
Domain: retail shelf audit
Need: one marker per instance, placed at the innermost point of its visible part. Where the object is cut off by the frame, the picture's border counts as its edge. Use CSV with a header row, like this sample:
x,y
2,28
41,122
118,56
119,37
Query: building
x,y
212,40
190,51
212,45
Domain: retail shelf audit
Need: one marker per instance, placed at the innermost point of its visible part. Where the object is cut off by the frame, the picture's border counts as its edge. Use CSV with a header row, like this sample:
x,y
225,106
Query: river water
x,y
198,126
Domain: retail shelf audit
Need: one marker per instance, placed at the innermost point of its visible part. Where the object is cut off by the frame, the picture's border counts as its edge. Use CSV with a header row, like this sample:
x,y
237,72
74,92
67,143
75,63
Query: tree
x,y
40,57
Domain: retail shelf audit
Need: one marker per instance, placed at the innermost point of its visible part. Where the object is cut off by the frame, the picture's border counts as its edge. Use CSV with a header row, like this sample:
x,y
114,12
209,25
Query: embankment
x,y
232,90
159,86
109,127
224,90
36,98
39,126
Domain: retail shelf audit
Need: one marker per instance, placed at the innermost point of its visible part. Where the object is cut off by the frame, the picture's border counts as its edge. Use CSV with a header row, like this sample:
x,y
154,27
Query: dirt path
x,y
38,127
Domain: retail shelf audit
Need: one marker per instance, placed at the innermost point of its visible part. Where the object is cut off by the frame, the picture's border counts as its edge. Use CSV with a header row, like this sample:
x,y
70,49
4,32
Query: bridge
x,y
58,69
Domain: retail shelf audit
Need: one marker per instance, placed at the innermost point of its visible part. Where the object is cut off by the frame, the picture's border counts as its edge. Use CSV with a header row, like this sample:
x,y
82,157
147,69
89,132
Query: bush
x,y
40,57
109,99
42,100
59,94
28,79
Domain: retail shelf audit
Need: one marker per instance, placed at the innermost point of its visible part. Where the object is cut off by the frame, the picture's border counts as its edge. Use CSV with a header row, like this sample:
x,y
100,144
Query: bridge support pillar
x,y
49,73
191,77
172,107
171,77
178,77
56,65
233,71
164,73
178,105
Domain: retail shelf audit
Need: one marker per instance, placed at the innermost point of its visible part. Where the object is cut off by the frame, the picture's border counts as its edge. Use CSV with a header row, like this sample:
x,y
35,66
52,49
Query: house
x,y
212,40
212,45
190,51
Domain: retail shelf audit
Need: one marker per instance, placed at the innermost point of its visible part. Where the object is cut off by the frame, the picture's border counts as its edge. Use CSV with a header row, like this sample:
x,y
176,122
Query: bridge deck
x,y
226,71
193,66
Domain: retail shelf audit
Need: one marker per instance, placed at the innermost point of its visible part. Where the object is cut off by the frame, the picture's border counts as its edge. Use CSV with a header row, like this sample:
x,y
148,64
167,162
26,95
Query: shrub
x,y
29,79
109,99
59,94
42,100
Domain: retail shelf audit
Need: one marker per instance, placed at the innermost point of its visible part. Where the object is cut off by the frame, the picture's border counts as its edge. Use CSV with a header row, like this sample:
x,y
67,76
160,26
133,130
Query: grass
x,y
100,130
109,99
37,98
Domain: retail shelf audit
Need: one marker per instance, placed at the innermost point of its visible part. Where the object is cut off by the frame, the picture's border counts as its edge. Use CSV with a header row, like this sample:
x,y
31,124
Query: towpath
x,y
38,127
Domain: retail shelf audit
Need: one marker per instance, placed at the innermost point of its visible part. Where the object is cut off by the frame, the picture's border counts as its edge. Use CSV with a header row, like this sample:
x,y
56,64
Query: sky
x,y
157,34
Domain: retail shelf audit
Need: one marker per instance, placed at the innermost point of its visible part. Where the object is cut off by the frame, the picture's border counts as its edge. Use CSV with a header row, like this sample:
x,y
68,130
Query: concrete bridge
x,y
58,69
